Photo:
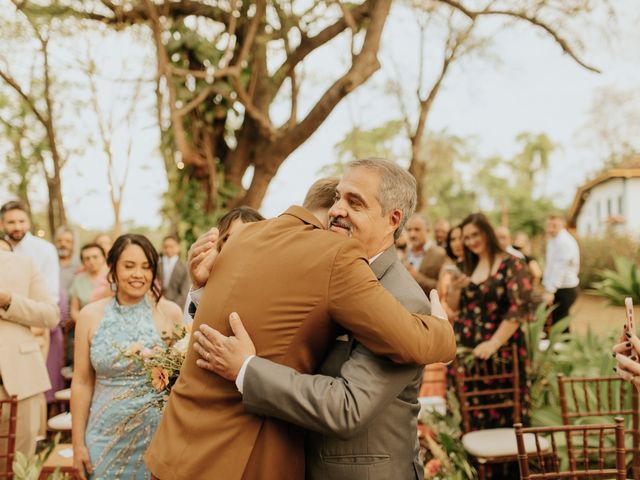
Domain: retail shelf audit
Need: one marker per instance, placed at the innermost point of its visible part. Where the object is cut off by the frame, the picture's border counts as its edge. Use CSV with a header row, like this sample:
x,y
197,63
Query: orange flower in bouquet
x,y
159,378
162,363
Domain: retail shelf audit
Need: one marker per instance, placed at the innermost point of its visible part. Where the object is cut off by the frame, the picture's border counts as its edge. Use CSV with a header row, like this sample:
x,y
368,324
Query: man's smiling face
x,y
357,211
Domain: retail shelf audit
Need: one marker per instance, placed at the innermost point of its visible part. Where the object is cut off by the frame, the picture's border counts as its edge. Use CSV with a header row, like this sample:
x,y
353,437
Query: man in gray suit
x,y
361,410
173,273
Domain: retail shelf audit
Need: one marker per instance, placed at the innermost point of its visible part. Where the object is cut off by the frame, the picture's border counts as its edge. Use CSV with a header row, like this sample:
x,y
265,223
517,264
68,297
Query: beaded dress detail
x,y
120,428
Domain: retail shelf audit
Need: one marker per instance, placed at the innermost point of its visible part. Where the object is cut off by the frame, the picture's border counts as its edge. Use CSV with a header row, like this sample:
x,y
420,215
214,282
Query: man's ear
x,y
395,218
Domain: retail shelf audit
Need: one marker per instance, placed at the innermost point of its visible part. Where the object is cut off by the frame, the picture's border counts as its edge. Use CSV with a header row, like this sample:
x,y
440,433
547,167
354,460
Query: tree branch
x,y
532,19
309,44
29,101
364,65
189,156
138,13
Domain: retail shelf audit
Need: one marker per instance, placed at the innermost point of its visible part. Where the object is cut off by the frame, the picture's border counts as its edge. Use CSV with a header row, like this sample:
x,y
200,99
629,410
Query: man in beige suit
x,y
360,409
25,302
289,278
424,259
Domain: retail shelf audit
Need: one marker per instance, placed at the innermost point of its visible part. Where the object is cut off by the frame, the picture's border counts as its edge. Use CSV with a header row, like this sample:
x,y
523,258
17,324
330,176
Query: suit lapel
x,y
381,264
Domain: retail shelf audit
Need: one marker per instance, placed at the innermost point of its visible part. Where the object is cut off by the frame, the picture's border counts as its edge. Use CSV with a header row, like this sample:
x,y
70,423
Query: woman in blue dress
x,y
110,428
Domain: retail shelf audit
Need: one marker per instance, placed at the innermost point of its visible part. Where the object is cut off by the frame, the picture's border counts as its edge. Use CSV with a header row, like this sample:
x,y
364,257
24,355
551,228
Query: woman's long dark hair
x,y
122,242
482,223
447,246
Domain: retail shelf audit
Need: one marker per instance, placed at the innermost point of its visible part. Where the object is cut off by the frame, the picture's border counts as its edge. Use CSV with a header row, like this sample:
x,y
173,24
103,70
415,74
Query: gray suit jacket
x,y
361,410
179,283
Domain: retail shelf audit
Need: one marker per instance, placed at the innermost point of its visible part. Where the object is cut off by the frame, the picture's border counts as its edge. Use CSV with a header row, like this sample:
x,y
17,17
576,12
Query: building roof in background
x,y
629,169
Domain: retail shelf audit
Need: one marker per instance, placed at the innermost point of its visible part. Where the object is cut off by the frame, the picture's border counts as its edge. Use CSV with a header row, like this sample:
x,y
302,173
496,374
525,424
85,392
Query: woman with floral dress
x,y
493,302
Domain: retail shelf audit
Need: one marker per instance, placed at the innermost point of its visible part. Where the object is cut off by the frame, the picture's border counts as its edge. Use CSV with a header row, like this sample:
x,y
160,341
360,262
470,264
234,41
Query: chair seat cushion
x,y
499,442
63,395
60,422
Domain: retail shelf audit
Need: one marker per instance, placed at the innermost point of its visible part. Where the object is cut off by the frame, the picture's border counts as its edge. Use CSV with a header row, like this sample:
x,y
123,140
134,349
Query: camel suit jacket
x,y
361,410
179,283
22,367
290,280
432,261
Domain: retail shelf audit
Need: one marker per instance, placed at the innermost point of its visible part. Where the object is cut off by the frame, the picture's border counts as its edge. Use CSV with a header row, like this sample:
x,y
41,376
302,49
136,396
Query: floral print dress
x,y
505,295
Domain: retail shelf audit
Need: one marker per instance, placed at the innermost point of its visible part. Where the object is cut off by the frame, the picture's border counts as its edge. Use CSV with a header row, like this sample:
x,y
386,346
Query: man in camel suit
x,y
360,409
294,284
25,302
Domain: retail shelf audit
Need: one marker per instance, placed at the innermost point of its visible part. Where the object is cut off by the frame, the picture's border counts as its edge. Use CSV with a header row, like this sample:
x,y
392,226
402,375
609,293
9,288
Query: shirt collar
x,y
375,257
24,242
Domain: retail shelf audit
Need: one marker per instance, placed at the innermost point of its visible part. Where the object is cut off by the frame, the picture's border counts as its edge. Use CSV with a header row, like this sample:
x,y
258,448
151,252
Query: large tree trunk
x,y
418,169
56,215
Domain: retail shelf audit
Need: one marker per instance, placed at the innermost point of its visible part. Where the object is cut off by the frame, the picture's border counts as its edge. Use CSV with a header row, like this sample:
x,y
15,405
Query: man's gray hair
x,y
397,188
62,230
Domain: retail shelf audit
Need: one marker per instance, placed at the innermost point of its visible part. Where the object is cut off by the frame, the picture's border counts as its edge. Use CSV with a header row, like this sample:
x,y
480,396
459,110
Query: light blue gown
x,y
116,437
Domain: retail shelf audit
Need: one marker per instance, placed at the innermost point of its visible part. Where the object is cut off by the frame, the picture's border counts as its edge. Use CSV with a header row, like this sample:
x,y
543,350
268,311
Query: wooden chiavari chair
x,y
496,385
8,408
602,398
585,454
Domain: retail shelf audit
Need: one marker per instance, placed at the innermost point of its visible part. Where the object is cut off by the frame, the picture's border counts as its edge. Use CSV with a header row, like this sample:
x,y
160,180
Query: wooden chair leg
x,y
482,469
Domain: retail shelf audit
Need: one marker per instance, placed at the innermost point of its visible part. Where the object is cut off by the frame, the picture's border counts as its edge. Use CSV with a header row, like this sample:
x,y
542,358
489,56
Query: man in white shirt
x,y
16,224
560,280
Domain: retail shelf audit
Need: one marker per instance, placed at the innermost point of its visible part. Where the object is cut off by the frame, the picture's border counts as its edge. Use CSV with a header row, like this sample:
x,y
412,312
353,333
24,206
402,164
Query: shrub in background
x,y
598,254
618,284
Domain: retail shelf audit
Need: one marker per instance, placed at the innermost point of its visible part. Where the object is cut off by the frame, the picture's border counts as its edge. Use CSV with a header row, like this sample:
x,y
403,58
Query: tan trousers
x,y
28,424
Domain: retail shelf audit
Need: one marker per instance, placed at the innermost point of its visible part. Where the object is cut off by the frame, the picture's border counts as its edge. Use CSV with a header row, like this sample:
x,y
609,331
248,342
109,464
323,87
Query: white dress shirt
x,y
45,256
415,258
562,263
168,264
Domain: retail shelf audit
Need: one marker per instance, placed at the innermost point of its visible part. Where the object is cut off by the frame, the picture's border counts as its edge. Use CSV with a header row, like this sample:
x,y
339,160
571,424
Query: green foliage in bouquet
x,y
445,457
29,468
620,283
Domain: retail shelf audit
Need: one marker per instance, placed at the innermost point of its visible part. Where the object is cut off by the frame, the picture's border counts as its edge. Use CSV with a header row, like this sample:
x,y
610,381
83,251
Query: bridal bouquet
x,y
161,366
161,363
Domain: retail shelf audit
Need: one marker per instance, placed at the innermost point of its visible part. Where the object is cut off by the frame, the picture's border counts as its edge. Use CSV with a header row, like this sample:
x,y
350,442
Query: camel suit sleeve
x,y
339,407
359,303
37,309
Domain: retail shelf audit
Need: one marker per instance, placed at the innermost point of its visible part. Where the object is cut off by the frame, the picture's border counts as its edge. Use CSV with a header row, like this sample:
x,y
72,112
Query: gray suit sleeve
x,y
339,407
